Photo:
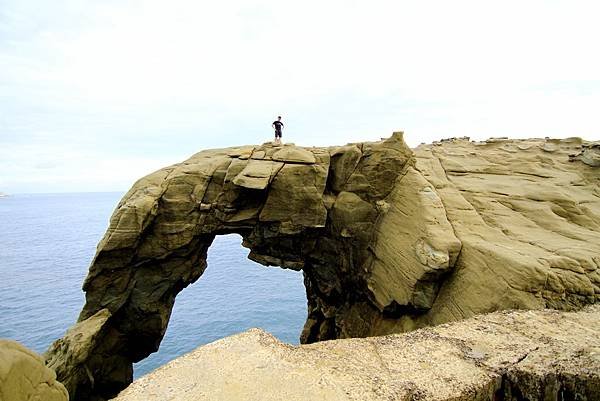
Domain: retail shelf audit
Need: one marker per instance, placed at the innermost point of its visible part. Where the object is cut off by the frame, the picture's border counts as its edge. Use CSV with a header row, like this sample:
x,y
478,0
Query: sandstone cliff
x,y
388,239
541,355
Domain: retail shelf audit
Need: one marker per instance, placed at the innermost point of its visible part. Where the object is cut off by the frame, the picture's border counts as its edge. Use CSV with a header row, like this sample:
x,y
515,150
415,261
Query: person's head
x,y
279,118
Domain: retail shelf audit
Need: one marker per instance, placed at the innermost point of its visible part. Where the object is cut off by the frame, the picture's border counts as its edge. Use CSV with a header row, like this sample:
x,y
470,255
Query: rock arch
x,y
376,229
299,208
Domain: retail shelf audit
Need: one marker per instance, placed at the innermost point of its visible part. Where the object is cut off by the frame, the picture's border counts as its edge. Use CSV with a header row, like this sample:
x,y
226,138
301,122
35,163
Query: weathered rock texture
x,y
388,240
525,355
23,376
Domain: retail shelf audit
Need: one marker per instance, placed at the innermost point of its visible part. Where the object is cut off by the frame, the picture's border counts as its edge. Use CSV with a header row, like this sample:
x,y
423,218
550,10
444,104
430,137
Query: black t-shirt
x,y
278,125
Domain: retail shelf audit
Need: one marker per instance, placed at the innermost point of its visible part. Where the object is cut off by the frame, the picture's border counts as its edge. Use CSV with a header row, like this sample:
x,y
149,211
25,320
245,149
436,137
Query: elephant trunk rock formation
x,y
388,239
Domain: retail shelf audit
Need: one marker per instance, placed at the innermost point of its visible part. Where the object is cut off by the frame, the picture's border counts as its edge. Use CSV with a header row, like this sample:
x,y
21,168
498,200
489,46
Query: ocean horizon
x,y
47,241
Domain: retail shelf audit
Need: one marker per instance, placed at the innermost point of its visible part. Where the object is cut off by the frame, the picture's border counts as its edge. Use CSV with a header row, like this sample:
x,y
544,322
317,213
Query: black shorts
x,y
277,134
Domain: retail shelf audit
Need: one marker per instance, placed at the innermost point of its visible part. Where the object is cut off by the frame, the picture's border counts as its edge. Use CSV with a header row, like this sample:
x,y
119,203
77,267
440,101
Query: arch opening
x,y
234,294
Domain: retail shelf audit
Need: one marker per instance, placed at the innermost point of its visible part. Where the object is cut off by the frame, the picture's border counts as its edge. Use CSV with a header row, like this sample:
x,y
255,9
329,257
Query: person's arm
x,y
273,125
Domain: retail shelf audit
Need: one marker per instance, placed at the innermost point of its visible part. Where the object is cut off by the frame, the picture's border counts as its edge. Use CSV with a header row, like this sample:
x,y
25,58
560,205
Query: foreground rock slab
x,y
532,355
23,376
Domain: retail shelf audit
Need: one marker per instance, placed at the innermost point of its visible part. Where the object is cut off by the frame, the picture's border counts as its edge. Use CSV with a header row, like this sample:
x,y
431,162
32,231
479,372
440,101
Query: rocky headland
x,y
389,240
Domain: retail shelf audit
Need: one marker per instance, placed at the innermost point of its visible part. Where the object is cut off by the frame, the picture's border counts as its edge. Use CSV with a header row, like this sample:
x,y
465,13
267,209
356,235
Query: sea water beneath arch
x,y
48,240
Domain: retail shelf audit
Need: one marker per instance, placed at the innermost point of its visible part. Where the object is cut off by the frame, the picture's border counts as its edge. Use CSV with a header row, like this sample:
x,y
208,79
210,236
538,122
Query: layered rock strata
x,y
23,376
525,355
388,239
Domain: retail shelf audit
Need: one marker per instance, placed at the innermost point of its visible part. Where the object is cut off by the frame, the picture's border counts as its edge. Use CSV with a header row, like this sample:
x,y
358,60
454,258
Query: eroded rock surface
x,y
388,239
526,355
23,376
528,220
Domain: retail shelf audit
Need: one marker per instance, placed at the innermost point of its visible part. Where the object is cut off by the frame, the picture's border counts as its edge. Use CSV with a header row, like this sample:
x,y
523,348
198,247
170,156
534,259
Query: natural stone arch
x,y
299,208
376,229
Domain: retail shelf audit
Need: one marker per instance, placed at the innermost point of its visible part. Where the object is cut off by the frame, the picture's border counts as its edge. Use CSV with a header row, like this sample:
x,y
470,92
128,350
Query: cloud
x,y
46,165
64,168
149,80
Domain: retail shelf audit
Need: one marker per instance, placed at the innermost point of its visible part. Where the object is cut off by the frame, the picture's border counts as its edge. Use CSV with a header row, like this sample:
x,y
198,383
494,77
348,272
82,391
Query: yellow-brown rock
x,y
24,377
388,239
526,355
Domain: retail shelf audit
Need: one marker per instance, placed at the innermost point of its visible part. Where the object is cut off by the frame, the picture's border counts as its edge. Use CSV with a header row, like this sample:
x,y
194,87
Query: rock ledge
x,y
532,355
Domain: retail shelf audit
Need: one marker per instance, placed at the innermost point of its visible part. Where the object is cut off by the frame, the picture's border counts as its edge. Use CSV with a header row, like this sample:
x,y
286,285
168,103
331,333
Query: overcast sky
x,y
94,94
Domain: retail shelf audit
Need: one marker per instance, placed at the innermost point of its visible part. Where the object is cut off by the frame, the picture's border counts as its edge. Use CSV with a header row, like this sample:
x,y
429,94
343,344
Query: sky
x,y
95,94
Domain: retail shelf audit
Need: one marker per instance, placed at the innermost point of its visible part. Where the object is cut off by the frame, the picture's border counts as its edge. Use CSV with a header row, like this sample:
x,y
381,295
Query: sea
x,y
47,242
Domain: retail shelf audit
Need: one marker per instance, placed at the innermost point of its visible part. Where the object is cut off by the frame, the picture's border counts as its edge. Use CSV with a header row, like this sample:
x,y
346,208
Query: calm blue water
x,y
47,242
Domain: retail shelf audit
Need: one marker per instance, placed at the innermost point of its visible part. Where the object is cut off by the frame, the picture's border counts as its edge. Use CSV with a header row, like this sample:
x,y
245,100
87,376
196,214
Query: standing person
x,y
278,125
